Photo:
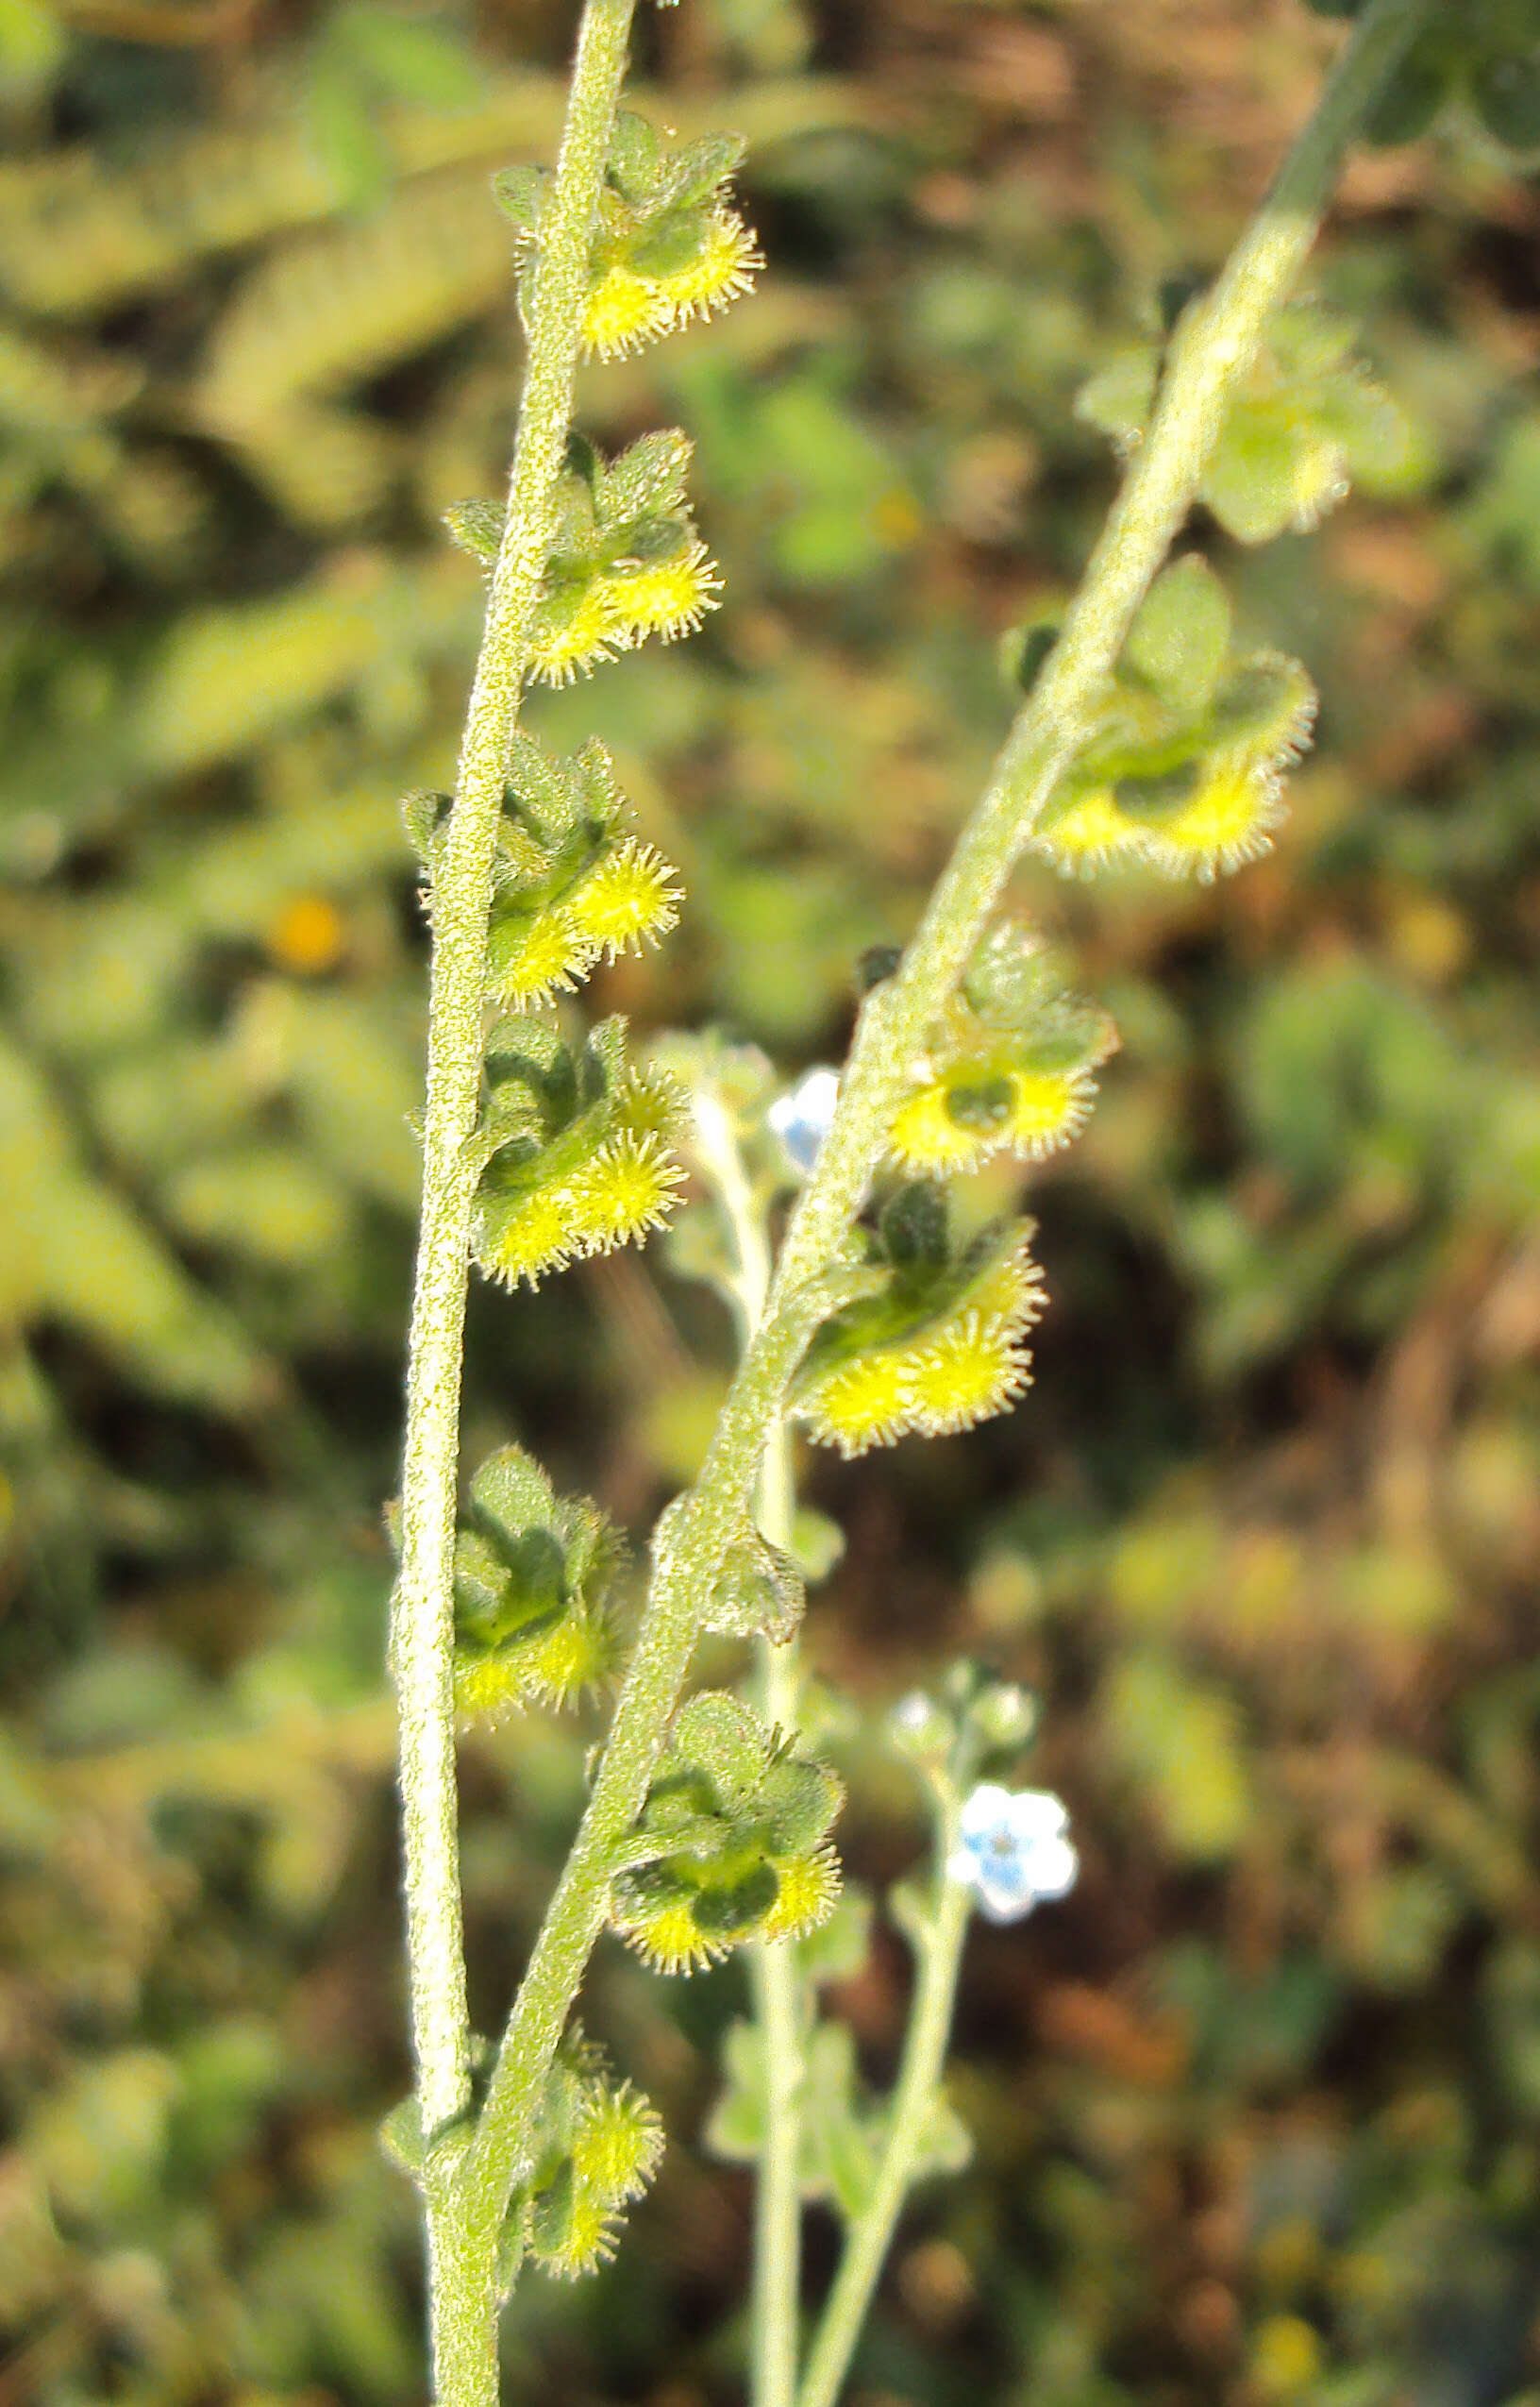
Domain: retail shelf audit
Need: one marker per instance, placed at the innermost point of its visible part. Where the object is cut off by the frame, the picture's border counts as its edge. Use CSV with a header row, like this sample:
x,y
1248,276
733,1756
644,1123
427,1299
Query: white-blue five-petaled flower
x,y
1012,1850
800,1117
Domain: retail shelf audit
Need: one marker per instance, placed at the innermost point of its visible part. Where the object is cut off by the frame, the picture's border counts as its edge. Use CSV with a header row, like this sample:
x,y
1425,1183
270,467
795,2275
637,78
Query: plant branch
x,y
1213,350
914,2099
422,1609
773,1965
777,1990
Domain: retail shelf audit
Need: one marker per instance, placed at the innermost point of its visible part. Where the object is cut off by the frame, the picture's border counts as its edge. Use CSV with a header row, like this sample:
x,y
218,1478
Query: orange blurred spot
x,y
308,935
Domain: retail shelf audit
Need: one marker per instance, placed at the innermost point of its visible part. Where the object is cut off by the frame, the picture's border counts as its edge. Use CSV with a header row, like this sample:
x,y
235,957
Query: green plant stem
x,y
919,2074
1212,352
773,1968
422,1609
779,2009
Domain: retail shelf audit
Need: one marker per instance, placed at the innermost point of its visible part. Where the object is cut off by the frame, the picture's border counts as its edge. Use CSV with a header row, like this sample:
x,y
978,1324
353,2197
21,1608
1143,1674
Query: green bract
x,y
730,1844
758,1592
533,1576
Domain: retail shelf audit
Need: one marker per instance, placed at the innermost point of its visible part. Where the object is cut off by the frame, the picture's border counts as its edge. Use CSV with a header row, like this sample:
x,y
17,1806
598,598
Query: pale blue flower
x,y
800,1117
1013,1852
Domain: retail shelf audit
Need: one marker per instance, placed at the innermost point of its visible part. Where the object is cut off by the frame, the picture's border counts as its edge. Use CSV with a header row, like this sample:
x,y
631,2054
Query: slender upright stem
x,y
780,2010
1212,351
422,1609
913,2100
773,1964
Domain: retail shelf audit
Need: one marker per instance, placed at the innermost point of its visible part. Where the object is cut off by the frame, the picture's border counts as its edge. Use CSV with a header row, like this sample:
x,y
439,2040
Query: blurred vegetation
x,y
1258,2109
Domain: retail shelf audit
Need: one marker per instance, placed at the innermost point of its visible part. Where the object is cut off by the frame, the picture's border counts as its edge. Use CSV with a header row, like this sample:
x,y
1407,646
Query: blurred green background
x,y
1258,2109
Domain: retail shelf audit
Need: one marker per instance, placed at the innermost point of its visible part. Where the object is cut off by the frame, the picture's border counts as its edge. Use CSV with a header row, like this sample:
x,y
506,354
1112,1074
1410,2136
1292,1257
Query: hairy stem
x,y
422,1609
779,2011
914,2099
1212,351
773,1966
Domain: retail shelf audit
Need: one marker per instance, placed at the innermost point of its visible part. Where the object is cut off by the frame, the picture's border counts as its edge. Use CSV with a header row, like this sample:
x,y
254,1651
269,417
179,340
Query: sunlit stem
x,y
773,1966
912,2106
463,2304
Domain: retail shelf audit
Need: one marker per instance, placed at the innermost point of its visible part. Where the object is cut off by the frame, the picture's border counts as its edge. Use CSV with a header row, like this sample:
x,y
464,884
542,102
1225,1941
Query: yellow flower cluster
x,y
533,1576
1008,1068
1207,815
682,1926
595,613
546,936
629,306
607,1180
626,561
938,1354
987,1105
1186,767
668,247
576,1655
731,1844
597,2147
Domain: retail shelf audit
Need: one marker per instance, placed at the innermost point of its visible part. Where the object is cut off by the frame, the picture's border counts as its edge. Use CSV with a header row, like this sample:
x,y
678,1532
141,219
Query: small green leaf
x,y
1506,91
758,1592
1180,638
1120,397
818,1544
1414,95
477,527
722,1738
520,194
